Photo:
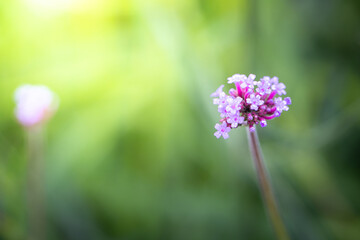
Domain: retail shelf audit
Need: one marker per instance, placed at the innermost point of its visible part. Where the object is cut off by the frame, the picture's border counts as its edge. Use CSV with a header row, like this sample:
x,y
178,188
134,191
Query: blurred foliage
x,y
131,153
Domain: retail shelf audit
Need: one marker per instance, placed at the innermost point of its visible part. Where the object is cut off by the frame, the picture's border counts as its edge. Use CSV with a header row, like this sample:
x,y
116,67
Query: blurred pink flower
x,y
34,104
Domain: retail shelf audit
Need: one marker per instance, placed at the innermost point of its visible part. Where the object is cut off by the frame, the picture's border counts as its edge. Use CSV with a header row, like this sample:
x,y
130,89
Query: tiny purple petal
x,y
280,88
217,92
235,121
252,77
233,105
217,134
250,81
263,123
264,86
254,107
274,80
277,114
288,100
281,105
236,78
255,101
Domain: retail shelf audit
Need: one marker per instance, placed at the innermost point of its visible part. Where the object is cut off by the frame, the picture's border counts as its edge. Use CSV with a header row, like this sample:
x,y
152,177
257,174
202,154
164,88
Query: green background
x,y
130,154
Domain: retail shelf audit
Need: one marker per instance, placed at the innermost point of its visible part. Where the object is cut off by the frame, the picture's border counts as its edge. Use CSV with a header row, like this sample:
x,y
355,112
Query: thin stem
x,y
35,193
264,182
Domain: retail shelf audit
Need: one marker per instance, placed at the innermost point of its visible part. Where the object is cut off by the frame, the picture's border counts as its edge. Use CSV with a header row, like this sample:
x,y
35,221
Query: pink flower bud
x,y
34,104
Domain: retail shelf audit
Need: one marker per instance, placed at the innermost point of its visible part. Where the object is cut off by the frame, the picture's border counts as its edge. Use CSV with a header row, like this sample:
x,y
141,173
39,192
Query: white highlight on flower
x,y
34,104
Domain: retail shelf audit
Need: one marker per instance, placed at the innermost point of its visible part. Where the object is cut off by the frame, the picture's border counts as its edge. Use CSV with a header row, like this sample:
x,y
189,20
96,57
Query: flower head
x,y
251,103
34,104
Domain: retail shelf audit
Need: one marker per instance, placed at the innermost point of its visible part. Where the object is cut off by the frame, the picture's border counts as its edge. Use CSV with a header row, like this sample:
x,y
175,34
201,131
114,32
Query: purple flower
x,y
255,101
217,92
263,86
287,100
281,105
233,105
236,78
235,120
249,81
278,87
221,100
222,130
274,80
251,103
263,123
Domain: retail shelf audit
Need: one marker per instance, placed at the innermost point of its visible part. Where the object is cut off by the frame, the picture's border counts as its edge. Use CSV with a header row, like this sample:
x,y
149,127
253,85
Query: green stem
x,y
264,182
35,191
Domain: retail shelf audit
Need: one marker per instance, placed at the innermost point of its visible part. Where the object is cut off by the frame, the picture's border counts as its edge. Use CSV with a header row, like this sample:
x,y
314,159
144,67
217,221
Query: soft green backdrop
x,y
131,154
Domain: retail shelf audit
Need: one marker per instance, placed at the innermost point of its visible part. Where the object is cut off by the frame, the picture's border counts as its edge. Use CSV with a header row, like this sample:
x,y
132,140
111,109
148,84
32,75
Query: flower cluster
x,y
250,103
34,104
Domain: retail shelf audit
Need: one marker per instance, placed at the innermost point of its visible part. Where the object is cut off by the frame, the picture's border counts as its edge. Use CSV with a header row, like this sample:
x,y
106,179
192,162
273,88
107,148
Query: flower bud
x,y
34,104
